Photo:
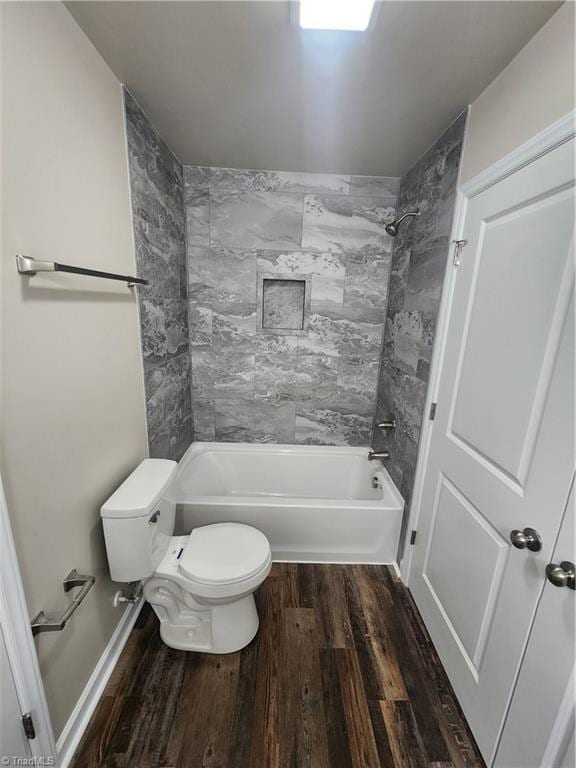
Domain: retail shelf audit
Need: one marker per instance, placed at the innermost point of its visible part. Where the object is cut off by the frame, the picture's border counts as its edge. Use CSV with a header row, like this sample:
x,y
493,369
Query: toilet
x,y
201,586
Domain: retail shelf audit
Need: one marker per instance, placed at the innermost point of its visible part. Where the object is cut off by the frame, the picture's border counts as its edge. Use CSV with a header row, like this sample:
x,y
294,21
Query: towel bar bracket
x,y
43,623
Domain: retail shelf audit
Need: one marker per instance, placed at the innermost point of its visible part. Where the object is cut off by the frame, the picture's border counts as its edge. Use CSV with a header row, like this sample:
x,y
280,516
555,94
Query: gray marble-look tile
x,y
426,346
425,277
375,186
196,178
295,377
409,469
327,271
150,156
398,279
357,380
344,331
272,343
235,179
432,170
286,369
347,224
161,209
164,329
168,408
445,212
367,279
256,220
405,395
160,260
408,183
393,442
197,218
231,373
408,235
283,304
386,408
332,424
327,292
324,265
157,198
204,419
250,421
221,275
157,206
404,336
234,326
182,435
200,325
454,134
436,191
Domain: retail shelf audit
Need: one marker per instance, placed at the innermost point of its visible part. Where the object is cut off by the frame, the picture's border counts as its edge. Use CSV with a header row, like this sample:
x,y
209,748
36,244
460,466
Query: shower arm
x,y
405,216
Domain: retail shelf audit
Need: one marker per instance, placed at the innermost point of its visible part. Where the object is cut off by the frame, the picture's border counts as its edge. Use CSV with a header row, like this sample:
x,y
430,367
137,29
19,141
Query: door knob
x,y
526,539
563,575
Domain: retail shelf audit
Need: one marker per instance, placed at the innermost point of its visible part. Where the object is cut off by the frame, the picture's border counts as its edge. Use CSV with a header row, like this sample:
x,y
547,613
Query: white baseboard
x,y
396,568
86,704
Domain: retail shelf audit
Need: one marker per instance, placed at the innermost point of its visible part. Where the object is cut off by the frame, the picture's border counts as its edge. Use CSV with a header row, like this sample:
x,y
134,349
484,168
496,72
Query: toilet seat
x,y
224,554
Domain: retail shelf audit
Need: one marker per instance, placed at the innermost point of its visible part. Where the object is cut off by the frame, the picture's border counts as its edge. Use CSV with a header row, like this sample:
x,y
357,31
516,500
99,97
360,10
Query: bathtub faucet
x,y
378,455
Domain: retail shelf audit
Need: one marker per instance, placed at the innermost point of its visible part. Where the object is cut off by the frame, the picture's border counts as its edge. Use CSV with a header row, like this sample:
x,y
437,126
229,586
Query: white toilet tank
x,y
138,521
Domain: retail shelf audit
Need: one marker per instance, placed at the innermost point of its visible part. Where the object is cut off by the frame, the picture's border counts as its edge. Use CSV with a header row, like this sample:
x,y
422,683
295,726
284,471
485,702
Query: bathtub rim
x,y
198,448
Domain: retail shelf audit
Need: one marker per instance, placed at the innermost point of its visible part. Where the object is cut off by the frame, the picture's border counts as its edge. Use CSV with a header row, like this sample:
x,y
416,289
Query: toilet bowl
x,y
200,586
202,590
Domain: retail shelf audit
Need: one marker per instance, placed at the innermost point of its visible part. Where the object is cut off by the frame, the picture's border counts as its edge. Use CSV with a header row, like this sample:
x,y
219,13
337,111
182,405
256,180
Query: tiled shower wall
x,y
419,261
159,239
256,386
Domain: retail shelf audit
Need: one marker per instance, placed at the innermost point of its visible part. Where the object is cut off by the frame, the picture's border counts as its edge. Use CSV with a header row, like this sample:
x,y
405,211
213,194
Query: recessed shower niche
x,y
283,303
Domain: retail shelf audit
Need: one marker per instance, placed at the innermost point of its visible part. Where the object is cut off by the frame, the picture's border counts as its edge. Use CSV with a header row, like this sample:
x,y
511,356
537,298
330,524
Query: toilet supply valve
x,y
120,598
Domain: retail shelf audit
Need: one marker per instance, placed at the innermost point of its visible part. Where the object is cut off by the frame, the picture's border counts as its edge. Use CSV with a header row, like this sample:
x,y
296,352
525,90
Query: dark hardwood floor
x,y
342,673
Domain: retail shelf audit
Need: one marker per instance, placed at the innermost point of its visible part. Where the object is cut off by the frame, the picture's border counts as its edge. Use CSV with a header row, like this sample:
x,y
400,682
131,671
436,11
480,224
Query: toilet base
x,y
206,627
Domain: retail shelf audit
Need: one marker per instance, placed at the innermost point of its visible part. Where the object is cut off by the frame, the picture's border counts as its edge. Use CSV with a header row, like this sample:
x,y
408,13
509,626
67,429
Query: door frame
x,y
15,625
551,137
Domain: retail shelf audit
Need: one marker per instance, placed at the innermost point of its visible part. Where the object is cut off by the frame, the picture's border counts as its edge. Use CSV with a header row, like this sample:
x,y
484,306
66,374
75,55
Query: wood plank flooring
x,y
342,674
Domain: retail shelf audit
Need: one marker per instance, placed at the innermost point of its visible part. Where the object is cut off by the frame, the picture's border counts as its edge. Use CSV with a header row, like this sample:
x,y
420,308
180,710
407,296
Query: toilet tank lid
x,y
141,490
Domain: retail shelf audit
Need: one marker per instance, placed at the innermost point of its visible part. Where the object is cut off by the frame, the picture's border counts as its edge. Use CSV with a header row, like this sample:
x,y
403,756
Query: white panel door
x,y
502,450
539,728
13,742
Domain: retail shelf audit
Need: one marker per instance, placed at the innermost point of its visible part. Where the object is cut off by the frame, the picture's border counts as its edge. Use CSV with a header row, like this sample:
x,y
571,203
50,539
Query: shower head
x,y
392,228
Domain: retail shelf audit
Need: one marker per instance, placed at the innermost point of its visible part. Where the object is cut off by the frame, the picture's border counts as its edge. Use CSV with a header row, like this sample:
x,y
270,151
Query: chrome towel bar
x,y
26,265
42,623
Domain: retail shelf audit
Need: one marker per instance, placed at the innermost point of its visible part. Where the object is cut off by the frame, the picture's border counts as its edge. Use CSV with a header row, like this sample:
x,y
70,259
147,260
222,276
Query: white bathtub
x,y
314,503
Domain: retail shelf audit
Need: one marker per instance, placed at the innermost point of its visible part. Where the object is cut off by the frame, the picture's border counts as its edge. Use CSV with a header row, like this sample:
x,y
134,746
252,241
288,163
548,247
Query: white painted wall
x,y
72,401
535,90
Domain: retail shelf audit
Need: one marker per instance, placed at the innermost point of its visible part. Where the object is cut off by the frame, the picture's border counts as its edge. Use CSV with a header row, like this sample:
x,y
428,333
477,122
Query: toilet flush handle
x,y
154,518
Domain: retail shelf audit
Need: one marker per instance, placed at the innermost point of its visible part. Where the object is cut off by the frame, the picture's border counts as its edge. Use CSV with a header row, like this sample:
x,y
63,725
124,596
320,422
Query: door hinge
x,y
413,537
432,414
28,725
458,245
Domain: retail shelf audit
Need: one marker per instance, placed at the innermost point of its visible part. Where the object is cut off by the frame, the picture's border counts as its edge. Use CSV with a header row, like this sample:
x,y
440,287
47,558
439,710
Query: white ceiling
x,y
236,84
